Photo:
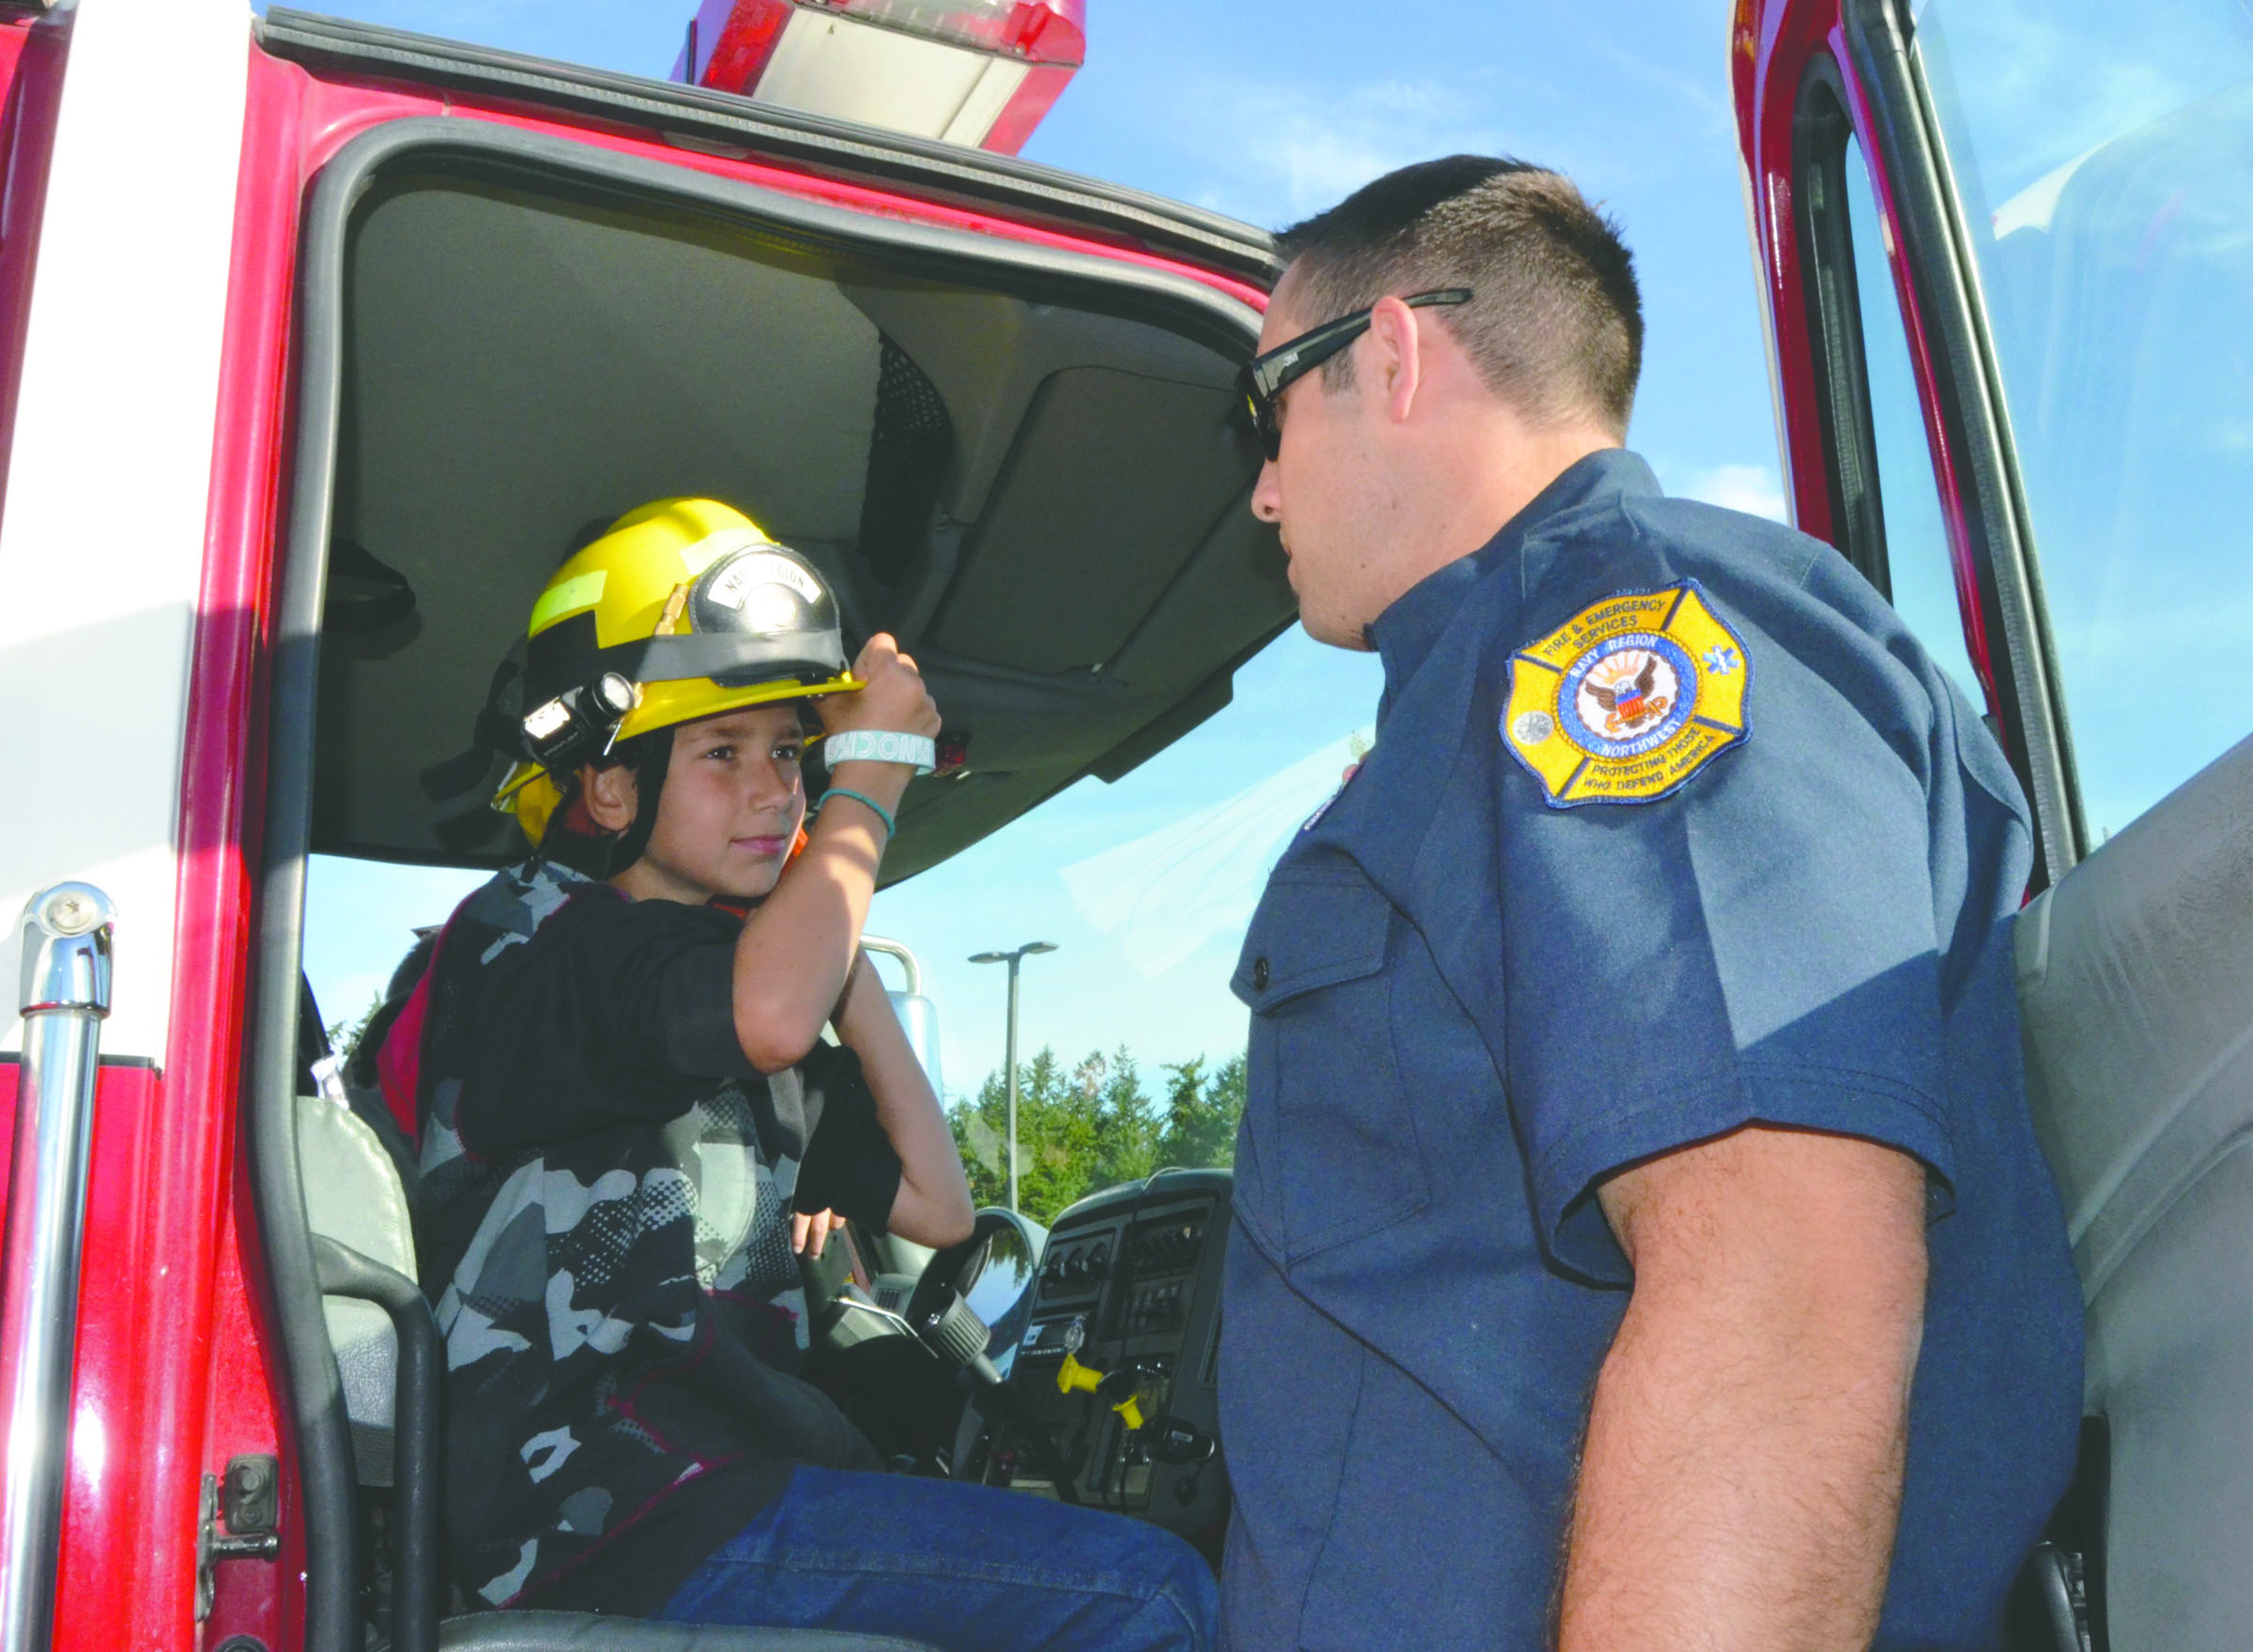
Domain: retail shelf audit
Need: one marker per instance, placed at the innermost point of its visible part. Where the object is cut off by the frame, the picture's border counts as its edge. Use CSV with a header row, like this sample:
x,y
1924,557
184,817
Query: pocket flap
x,y
1313,929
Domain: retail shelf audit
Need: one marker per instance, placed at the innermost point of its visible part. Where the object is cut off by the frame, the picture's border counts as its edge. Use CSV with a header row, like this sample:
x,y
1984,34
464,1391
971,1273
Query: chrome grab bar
x,y
66,994
894,949
918,1016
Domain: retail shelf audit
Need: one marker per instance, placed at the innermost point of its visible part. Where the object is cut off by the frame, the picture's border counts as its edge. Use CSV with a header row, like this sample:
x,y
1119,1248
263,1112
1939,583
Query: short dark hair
x,y
1556,326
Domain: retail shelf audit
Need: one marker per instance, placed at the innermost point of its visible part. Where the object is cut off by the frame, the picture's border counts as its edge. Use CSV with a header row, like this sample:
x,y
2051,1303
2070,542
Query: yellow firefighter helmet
x,y
684,610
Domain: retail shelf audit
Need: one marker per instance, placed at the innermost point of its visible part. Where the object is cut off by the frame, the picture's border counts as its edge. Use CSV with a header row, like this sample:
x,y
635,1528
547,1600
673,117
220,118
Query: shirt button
x,y
1259,975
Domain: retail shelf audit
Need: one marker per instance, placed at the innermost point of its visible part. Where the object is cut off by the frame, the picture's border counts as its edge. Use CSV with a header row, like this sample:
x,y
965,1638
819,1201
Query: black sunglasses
x,y
1265,378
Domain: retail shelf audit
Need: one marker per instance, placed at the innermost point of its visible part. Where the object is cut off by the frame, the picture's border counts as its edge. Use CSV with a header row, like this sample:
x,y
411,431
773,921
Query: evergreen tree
x,y
1093,1127
1055,1138
1202,1111
1126,1126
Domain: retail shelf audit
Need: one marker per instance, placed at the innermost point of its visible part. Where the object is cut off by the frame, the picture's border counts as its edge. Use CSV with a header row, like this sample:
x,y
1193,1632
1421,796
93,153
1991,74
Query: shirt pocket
x,y
1330,1145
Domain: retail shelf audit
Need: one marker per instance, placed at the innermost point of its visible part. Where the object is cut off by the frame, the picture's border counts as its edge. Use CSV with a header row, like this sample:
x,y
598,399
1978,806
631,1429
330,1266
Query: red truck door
x,y
2010,282
124,126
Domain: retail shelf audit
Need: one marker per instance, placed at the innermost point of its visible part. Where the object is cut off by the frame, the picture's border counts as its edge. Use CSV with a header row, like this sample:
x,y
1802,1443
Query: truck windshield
x,y
2103,164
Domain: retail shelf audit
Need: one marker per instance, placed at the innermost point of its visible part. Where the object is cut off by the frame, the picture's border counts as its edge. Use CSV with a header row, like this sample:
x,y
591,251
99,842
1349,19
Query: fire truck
x,y
316,339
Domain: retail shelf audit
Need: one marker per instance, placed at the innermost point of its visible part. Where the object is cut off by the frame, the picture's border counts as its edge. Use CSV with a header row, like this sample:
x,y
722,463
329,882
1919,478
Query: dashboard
x,y
1130,1293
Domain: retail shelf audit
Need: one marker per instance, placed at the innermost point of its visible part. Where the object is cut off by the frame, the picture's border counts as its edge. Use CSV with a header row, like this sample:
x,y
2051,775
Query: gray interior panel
x,y
2136,985
491,331
1123,529
521,360
353,1195
989,352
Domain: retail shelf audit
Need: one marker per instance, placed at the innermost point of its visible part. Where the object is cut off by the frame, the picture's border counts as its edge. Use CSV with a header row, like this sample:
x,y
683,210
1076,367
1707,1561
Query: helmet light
x,y
578,724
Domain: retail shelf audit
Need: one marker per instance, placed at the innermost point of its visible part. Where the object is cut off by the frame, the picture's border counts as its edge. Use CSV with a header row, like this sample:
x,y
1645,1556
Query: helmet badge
x,y
753,590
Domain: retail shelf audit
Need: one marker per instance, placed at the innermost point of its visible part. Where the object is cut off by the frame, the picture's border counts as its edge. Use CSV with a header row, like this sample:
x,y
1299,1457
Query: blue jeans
x,y
966,1569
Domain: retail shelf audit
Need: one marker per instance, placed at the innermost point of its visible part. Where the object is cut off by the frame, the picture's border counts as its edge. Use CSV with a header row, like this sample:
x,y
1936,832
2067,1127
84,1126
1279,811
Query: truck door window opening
x,y
2098,156
1920,577
1886,500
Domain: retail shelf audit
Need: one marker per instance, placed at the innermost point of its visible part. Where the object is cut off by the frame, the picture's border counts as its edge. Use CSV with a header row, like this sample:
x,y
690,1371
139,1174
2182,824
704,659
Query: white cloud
x,y
1754,489
1321,148
1316,147
1567,93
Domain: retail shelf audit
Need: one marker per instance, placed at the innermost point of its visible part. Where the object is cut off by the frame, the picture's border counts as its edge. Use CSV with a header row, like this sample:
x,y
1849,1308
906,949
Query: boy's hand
x,y
810,1235
895,700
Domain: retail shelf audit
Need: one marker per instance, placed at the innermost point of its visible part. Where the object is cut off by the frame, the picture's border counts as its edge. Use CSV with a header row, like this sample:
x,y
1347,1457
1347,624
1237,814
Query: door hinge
x,y
238,1519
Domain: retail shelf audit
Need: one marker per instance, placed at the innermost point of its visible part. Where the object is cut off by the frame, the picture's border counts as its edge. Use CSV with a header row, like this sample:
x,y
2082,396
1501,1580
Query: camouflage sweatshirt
x,y
602,1225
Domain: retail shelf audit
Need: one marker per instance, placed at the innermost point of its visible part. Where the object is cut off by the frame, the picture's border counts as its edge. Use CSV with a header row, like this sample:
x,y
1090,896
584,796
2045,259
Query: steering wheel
x,y
941,1316
939,1309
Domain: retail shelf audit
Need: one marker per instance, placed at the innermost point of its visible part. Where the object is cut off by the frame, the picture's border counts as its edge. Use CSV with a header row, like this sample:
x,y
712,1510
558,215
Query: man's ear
x,y
610,795
1396,364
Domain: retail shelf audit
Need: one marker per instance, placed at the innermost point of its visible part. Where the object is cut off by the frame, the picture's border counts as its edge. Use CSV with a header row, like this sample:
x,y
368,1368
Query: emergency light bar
x,y
977,72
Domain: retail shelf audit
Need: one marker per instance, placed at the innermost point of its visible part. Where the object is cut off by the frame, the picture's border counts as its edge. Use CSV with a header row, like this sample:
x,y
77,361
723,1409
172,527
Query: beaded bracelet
x,y
865,802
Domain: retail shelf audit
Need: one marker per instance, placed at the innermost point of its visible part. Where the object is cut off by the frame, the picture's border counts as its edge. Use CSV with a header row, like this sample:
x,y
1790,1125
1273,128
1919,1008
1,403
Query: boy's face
x,y
730,811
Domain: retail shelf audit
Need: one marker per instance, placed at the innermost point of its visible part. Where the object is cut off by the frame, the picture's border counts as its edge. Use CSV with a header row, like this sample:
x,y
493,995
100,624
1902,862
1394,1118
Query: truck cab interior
x,y
1022,456
1025,459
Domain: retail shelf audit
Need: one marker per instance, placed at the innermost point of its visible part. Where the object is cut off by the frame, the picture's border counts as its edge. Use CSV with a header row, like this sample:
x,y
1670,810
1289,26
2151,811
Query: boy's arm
x,y
797,950
933,1205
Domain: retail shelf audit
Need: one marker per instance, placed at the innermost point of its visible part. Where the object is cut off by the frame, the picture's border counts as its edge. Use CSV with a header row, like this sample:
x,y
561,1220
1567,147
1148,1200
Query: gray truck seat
x,y
2136,985
354,1197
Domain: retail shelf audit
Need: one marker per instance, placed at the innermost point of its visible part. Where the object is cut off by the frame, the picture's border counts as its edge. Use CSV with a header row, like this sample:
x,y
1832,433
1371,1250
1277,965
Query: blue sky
x,y
1267,109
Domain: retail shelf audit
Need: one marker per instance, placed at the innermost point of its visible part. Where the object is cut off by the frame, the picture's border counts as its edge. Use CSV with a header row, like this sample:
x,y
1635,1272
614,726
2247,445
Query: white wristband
x,y
877,745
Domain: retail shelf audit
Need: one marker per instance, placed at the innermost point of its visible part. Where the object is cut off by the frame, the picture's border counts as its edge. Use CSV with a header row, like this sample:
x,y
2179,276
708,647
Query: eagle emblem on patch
x,y
1628,699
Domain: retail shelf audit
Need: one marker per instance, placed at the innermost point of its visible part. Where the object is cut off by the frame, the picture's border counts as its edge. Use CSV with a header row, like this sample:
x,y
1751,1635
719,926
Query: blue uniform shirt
x,y
1496,968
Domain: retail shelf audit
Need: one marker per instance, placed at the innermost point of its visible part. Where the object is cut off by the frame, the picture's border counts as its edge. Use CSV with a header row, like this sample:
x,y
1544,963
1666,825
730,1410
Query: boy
x,y
629,1128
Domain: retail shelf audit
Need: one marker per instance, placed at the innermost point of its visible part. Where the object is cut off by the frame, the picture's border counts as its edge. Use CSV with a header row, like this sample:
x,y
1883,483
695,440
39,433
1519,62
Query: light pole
x,y
1009,1054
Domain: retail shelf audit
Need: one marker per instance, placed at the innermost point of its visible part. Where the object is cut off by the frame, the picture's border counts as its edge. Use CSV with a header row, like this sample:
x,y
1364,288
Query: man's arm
x,y
1743,1471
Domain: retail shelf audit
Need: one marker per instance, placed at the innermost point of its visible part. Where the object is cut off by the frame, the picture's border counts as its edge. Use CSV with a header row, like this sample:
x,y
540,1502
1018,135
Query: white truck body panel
x,y
101,543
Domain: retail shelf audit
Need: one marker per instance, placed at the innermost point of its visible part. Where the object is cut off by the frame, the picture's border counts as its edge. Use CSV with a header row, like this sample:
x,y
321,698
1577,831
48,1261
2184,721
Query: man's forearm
x,y
1741,1475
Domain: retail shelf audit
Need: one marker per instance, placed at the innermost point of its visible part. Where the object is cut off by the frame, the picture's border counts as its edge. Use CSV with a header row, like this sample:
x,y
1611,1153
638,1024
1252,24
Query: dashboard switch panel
x,y
1131,1282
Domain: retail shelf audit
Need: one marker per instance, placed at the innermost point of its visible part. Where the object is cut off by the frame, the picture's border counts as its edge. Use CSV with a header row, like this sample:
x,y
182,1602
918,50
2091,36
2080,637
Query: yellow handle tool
x,y
1072,1377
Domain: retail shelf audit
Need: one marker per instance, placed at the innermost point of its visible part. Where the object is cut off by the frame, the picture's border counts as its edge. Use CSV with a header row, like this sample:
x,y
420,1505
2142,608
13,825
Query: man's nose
x,y
1268,495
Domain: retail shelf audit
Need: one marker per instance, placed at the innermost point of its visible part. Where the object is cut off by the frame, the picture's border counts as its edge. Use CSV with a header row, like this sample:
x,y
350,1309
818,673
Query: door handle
x,y
66,996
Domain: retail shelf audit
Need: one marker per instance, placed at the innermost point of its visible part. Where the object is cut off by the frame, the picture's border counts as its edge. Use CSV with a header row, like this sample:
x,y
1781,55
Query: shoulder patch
x,y
1628,699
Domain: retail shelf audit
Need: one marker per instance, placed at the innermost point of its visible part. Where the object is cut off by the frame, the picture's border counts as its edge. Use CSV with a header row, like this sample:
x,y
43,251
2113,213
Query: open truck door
x,y
2010,295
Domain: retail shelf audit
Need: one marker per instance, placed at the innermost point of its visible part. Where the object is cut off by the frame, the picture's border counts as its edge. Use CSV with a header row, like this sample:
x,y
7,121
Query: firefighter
x,y
629,1126
1639,1217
